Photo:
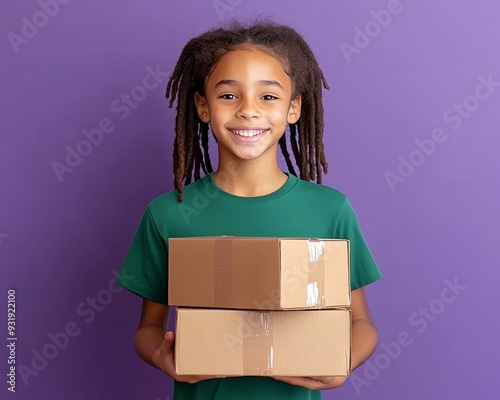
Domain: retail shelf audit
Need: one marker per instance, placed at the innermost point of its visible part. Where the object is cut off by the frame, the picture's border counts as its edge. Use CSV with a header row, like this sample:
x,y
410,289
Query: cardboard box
x,y
259,273
265,343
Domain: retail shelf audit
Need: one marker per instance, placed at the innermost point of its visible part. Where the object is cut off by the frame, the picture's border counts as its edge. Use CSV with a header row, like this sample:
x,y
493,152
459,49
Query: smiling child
x,y
246,84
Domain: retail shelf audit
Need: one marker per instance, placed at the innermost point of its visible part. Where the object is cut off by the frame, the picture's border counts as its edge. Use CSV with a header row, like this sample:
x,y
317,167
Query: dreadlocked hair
x,y
196,62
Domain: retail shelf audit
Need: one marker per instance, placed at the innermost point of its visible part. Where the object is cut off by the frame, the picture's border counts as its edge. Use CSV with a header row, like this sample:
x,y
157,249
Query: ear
x,y
294,110
202,107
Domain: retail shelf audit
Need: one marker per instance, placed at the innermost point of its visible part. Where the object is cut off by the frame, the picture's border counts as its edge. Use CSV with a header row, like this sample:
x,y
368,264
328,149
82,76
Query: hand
x,y
163,359
314,382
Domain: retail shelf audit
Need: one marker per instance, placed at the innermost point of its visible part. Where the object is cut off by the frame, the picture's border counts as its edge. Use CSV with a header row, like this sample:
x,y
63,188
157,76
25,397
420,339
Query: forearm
x,y
364,341
147,340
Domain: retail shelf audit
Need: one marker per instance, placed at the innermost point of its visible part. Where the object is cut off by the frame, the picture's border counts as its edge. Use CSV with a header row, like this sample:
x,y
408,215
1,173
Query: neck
x,y
249,179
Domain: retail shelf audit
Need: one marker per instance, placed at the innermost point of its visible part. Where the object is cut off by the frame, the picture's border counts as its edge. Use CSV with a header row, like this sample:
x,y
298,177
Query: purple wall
x,y
412,137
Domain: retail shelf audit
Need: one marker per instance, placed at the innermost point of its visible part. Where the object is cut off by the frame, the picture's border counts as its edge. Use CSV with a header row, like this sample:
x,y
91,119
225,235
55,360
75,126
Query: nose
x,y
248,109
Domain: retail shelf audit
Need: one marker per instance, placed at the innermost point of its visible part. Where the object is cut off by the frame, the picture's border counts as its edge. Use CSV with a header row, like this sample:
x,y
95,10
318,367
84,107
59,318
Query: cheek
x,y
279,115
219,113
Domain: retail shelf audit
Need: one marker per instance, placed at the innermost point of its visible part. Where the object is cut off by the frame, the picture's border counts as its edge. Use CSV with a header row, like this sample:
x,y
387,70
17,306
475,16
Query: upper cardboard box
x,y
259,273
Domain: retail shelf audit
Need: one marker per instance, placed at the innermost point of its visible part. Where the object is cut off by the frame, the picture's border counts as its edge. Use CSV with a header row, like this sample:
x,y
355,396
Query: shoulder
x,y
168,213
320,193
163,201
169,200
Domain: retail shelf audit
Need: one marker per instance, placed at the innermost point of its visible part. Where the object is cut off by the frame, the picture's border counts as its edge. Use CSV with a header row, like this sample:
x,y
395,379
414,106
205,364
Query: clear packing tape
x,y
316,274
257,343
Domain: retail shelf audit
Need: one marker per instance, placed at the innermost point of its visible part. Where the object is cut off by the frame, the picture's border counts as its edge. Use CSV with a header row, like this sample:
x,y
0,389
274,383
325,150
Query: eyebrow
x,y
232,82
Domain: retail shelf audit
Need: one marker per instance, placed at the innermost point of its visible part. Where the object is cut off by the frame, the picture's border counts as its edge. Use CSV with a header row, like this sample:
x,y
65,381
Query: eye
x,y
269,97
227,96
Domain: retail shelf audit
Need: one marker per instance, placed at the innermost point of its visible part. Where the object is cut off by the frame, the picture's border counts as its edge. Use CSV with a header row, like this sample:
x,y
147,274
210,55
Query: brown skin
x,y
248,89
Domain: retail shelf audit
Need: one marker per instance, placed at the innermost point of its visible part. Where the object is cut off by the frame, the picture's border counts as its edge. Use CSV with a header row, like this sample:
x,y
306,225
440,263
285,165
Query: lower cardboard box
x,y
266,343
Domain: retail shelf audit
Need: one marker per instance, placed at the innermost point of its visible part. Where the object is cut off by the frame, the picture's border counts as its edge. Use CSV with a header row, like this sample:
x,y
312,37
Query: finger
x,y
298,381
288,379
168,342
198,378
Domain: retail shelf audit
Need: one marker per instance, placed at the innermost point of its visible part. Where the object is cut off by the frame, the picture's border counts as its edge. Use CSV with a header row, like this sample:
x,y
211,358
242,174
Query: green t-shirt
x,y
297,209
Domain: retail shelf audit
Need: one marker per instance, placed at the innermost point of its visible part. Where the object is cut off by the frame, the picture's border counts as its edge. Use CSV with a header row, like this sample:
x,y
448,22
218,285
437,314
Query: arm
x,y
364,333
364,342
155,346
150,333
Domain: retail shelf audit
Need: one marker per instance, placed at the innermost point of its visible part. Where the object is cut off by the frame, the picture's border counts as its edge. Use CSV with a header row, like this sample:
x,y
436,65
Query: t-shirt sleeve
x,y
364,270
144,271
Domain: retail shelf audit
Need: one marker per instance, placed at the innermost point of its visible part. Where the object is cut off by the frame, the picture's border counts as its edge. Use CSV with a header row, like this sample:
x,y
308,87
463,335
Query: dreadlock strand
x,y
199,162
294,144
312,140
179,156
304,157
187,148
181,69
196,169
204,143
322,164
190,155
286,155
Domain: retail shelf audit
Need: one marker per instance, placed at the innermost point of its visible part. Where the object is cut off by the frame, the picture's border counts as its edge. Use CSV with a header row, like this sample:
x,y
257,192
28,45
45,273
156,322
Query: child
x,y
247,84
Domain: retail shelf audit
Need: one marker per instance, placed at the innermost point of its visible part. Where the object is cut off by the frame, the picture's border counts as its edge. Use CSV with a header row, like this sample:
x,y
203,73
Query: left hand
x,y
314,382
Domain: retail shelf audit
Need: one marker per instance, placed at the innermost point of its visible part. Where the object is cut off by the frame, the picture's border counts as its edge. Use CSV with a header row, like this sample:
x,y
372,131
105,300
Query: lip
x,y
248,139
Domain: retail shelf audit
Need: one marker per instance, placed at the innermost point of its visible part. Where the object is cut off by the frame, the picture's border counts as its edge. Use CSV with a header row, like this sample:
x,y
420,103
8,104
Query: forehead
x,y
248,66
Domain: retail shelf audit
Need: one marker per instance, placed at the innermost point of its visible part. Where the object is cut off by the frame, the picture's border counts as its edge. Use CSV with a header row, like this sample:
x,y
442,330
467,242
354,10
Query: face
x,y
248,102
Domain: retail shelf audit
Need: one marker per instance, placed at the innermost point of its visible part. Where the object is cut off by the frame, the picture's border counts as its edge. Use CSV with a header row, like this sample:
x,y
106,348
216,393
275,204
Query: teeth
x,y
248,133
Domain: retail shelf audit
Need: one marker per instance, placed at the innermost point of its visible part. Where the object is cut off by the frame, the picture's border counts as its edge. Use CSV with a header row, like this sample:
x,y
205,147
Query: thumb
x,y
168,342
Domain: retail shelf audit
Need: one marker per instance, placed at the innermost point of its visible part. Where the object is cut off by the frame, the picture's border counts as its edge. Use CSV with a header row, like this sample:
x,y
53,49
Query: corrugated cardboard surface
x,y
242,343
259,273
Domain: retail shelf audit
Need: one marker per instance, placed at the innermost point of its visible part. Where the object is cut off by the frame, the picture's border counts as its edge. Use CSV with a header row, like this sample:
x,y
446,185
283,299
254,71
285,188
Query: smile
x,y
248,132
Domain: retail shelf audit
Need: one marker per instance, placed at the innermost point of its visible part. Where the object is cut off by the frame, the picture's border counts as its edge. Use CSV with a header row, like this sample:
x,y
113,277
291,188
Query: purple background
x,y
60,241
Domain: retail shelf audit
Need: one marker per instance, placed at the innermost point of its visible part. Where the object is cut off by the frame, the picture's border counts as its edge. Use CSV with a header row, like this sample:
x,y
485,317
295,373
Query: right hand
x,y
163,359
